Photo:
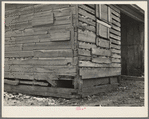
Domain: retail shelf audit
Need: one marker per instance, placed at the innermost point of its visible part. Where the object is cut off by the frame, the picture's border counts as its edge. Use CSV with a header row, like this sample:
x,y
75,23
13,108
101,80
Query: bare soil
x,y
129,93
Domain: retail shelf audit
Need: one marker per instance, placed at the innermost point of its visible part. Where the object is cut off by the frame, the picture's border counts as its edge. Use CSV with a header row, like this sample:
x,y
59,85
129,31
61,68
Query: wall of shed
x,y
39,42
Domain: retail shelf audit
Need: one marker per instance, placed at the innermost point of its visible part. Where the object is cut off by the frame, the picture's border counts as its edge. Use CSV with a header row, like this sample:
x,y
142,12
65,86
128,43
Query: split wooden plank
x,y
84,58
34,83
61,36
95,82
116,23
43,91
103,43
115,37
47,46
47,7
84,52
87,9
116,27
103,52
118,33
42,61
92,64
19,54
16,47
53,53
115,41
86,36
116,51
87,21
55,69
86,45
19,75
101,60
115,13
115,18
91,5
43,20
86,14
11,82
84,26
116,60
19,68
99,72
115,55
115,46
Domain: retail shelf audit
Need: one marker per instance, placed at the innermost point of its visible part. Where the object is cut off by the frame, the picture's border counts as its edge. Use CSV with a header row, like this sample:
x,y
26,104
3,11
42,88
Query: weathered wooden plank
x,y
62,20
95,82
115,55
116,27
115,41
19,75
11,82
101,60
84,52
42,91
55,69
98,89
115,18
16,47
116,60
116,51
42,61
86,36
115,32
114,8
19,68
115,37
116,65
103,52
115,13
53,53
47,7
44,19
87,21
86,14
115,46
103,43
116,23
99,72
84,26
34,83
47,46
60,36
86,45
91,64
84,58
87,9
19,54
91,5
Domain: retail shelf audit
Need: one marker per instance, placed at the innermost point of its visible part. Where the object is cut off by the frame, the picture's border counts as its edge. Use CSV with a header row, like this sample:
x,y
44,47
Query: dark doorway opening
x,y
132,46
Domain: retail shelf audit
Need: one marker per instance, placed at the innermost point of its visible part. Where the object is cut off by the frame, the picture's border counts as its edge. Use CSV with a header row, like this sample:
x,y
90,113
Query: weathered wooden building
x,y
71,50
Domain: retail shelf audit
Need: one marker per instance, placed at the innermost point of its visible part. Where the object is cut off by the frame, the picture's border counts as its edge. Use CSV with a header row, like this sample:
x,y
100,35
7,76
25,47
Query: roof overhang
x,y
132,10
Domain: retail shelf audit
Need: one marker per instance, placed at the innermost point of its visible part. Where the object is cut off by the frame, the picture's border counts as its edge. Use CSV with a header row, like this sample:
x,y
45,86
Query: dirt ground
x,y
129,93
